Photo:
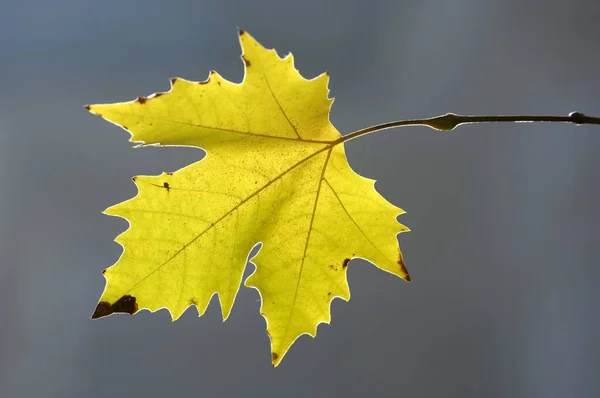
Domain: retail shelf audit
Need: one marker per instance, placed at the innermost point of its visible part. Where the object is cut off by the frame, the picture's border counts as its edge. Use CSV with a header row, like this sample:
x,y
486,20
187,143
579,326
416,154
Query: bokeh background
x,y
505,218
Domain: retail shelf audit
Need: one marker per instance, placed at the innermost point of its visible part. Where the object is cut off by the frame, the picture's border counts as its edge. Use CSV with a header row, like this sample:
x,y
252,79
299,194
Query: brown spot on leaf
x,y
168,173
193,301
247,62
328,293
104,272
345,263
173,80
274,356
166,185
125,127
156,95
133,178
125,304
142,100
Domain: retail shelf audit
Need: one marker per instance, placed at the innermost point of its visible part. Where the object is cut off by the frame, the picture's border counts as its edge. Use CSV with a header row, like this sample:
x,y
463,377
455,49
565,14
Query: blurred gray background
x,y
504,218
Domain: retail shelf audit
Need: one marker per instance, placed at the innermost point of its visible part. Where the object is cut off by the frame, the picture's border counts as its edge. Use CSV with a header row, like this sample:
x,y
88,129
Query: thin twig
x,y
450,121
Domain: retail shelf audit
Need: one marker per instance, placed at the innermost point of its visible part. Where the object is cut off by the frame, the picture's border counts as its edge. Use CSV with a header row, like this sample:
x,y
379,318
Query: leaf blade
x,y
275,173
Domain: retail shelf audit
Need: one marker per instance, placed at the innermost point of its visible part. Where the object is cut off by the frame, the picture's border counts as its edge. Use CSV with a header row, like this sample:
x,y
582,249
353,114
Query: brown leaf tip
x,y
87,107
274,357
345,263
173,80
403,269
125,304
241,32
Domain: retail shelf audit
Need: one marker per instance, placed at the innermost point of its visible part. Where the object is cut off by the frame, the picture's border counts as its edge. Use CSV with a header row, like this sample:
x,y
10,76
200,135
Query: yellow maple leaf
x,y
275,172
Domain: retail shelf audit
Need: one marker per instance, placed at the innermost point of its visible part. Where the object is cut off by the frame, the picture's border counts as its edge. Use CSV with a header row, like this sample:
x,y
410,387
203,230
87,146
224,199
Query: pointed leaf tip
x,y
405,275
126,304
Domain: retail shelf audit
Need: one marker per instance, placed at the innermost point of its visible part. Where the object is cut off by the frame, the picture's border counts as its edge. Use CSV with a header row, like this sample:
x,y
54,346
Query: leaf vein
x,y
353,221
258,191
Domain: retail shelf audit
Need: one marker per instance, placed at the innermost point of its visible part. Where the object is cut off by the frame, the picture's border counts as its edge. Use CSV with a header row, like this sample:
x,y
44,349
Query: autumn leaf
x,y
275,172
